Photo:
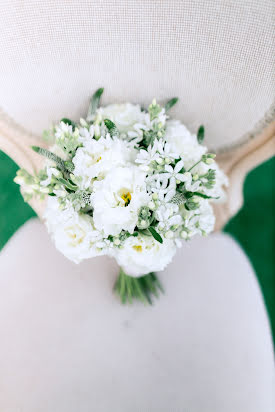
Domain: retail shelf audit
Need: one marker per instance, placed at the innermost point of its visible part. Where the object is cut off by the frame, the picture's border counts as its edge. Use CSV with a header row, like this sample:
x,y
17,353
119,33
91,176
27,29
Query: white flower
x,y
117,199
189,186
156,183
51,171
61,129
164,204
143,254
173,173
145,157
158,152
125,116
167,219
183,142
97,157
200,221
73,233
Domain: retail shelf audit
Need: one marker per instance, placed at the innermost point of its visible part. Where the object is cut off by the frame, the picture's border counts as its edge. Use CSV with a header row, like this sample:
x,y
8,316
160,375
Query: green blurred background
x,y
252,227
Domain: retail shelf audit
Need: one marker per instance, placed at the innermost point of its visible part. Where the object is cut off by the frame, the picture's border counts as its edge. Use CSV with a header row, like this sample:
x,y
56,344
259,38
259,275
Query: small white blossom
x,y
51,171
189,186
173,174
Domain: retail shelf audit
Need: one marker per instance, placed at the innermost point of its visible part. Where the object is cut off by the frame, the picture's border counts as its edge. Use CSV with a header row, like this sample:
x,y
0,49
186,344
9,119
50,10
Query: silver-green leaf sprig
x,y
63,165
94,103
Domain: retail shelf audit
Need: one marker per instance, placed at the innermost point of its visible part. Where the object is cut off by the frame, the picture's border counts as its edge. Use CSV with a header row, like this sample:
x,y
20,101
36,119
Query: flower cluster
x,y
126,182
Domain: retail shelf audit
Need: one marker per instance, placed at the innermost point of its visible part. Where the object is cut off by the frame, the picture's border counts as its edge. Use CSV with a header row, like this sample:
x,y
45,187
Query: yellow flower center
x,y
138,248
76,239
127,198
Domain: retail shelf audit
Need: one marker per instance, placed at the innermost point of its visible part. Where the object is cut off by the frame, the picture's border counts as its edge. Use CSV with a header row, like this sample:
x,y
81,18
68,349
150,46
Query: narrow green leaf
x,y
139,290
94,103
171,103
200,134
149,285
64,166
129,289
111,127
203,195
67,184
155,234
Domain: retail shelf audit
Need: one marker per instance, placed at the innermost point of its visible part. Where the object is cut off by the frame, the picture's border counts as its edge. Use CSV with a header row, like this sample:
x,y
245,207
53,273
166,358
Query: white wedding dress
x,y
66,343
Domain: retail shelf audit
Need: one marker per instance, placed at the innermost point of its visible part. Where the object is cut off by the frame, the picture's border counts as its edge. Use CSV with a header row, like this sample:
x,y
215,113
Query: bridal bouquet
x,y
128,183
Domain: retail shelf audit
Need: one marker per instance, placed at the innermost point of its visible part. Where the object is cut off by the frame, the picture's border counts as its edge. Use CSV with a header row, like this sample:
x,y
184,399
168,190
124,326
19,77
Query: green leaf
x,y
171,103
69,122
155,234
67,184
64,166
94,103
200,134
111,127
203,195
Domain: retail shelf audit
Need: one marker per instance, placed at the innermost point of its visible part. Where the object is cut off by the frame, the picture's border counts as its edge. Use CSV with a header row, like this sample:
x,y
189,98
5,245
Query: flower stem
x,y
189,170
143,288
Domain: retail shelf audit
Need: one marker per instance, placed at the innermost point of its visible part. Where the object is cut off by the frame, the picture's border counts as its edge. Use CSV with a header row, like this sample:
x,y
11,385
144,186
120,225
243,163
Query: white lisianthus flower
x,y
73,233
183,143
97,157
117,199
125,116
143,254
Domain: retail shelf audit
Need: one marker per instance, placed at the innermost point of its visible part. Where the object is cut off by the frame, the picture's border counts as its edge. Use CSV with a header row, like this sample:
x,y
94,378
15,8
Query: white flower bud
x,y
169,234
154,196
159,160
167,160
151,205
195,177
209,161
44,190
183,234
83,122
19,180
117,242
